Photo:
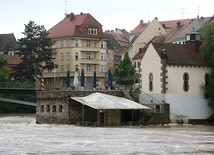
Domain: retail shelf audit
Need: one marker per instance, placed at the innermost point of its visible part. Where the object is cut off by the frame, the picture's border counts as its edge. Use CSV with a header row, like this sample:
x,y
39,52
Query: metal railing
x,y
15,85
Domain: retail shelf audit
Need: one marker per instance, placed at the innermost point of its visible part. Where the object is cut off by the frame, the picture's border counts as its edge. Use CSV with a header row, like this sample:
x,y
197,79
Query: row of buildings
x,y
165,54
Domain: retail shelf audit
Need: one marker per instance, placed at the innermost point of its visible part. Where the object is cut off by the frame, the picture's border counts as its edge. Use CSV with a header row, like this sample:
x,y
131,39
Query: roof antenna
x,y
65,7
182,12
198,12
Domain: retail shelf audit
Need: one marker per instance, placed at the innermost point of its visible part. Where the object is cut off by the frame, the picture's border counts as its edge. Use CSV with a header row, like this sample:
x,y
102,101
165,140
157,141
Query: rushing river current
x,y
20,135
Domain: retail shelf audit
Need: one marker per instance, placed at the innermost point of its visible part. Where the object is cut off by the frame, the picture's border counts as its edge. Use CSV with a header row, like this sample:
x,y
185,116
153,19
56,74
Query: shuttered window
x,y
186,82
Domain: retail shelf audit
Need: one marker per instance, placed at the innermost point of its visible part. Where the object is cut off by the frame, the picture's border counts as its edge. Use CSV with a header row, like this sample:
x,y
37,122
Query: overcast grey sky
x,y
110,13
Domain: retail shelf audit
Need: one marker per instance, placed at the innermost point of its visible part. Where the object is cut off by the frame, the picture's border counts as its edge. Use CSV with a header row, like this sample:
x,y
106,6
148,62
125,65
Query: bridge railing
x,y
15,85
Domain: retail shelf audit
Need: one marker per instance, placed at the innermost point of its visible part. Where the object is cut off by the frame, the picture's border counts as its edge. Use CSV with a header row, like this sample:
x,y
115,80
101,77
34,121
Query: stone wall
x,y
160,114
55,106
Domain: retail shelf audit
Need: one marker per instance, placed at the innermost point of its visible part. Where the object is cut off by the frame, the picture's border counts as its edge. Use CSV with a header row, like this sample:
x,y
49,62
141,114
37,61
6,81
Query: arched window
x,y
186,82
151,82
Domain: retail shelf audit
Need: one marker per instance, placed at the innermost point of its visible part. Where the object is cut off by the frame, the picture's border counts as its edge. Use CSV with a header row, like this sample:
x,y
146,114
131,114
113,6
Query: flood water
x,y
20,135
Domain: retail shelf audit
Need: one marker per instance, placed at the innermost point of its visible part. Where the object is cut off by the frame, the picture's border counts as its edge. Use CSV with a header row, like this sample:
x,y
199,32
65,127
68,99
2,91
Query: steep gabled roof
x,y
74,25
178,54
166,24
7,42
112,42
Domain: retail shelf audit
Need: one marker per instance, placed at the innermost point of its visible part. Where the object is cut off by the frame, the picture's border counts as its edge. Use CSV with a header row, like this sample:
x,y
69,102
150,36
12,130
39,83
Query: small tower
x,y
193,41
193,36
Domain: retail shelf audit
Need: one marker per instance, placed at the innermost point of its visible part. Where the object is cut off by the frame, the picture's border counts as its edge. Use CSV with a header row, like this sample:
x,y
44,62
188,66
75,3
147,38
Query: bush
x,y
211,118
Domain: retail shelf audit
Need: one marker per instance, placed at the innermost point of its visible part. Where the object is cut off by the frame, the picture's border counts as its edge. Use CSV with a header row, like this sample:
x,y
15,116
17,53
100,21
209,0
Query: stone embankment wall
x,y
53,106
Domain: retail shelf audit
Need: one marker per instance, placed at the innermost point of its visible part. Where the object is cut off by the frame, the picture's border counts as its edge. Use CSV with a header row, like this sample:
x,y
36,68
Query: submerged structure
x,y
88,108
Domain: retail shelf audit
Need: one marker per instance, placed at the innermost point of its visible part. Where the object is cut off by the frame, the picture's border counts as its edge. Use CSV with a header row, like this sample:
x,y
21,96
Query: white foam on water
x,y
21,135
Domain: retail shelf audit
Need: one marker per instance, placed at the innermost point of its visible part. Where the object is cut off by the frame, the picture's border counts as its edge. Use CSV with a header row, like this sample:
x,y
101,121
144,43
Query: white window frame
x,y
62,68
76,43
103,44
88,44
67,55
92,30
62,43
68,43
88,68
88,55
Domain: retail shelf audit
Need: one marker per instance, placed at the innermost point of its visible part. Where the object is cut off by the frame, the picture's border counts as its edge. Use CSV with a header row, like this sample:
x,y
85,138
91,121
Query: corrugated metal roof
x,y
104,101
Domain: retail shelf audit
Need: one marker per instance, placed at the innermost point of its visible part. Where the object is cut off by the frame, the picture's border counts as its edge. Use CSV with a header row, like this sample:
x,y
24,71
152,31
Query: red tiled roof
x,y
140,28
75,25
173,23
140,54
12,59
167,24
121,39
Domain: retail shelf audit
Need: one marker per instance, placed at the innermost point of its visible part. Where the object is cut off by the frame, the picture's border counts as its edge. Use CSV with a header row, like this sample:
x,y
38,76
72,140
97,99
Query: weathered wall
x,y
57,107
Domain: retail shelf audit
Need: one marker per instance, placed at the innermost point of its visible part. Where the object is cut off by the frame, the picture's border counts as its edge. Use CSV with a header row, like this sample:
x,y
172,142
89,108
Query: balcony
x,y
89,61
90,49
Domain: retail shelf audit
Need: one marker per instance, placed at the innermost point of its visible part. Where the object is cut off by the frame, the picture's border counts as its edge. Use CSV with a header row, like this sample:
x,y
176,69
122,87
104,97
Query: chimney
x,y
141,22
71,16
178,24
81,13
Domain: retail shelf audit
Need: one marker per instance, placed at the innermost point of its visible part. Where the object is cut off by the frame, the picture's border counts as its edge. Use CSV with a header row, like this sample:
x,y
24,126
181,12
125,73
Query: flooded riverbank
x,y
20,135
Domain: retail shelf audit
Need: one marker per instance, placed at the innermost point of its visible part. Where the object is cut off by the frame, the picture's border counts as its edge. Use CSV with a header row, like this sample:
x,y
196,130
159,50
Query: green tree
x,y
35,52
124,72
207,52
4,70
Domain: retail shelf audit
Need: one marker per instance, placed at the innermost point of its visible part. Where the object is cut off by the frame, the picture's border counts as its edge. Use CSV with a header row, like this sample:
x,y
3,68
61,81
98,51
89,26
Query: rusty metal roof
x,y
104,101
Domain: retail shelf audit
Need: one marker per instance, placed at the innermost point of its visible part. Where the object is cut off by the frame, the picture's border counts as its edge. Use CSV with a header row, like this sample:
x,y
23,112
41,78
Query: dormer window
x,y
92,30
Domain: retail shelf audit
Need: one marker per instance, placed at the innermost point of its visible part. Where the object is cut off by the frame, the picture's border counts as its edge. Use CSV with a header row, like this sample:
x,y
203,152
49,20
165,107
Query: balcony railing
x,y
89,61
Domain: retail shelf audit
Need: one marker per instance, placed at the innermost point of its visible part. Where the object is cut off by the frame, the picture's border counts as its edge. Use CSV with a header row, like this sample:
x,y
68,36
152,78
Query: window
x,y
88,55
186,82
62,56
68,67
42,108
67,55
102,56
67,43
138,63
150,82
76,68
92,30
76,42
102,68
207,79
76,55
48,108
62,68
88,68
60,108
88,44
54,109
62,43
157,108
103,44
